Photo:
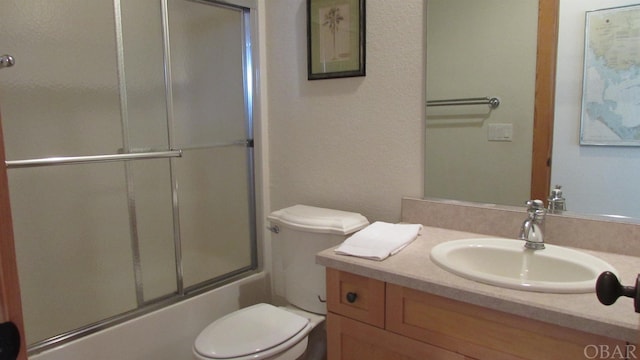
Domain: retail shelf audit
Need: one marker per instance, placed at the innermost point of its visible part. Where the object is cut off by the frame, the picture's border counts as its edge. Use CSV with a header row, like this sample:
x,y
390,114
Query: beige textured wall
x,y
355,143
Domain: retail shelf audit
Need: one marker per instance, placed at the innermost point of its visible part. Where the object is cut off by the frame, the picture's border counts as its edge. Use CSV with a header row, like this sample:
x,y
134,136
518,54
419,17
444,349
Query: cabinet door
x,y
349,339
355,296
483,333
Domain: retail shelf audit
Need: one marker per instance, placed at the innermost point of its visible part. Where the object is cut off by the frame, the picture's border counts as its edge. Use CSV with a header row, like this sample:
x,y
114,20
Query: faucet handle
x,y
535,210
533,205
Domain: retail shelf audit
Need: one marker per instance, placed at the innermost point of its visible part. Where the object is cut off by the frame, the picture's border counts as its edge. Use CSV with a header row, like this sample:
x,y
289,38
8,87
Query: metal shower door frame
x,y
250,72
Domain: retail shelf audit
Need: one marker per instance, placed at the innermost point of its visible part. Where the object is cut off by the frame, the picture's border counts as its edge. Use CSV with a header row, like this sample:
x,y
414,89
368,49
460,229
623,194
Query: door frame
x,y
10,301
548,19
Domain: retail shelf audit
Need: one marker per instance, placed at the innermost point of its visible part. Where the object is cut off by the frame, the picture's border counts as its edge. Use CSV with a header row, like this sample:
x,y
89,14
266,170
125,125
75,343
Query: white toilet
x,y
264,331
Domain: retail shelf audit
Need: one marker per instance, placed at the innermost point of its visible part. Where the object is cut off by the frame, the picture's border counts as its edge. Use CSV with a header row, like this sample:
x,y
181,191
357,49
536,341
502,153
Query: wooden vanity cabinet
x,y
371,319
356,323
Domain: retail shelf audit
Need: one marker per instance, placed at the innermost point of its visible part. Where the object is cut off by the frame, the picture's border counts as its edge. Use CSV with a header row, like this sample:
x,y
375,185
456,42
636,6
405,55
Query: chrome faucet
x,y
531,230
557,202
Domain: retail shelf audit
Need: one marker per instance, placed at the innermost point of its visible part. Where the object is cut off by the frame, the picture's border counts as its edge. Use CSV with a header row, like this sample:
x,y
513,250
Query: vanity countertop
x,y
413,268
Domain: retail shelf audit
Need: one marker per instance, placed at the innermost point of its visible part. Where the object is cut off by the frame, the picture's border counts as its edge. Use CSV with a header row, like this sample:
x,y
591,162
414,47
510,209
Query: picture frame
x,y
335,38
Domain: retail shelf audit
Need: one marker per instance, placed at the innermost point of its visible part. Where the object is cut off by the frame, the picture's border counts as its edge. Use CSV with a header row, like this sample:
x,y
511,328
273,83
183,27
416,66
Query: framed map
x,y
611,84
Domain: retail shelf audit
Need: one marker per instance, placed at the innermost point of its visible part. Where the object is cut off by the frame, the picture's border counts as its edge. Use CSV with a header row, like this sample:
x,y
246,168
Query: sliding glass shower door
x,y
128,137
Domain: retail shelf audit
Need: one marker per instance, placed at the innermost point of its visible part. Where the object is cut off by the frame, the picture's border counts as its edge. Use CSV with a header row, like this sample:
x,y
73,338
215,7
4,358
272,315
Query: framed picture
x,y
611,85
335,38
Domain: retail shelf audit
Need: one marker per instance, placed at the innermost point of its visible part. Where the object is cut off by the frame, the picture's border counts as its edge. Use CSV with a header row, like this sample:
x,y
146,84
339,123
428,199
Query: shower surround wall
x,y
96,240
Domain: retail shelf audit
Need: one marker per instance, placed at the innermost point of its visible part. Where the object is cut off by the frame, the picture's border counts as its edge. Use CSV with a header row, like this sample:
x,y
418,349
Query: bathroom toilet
x,y
265,331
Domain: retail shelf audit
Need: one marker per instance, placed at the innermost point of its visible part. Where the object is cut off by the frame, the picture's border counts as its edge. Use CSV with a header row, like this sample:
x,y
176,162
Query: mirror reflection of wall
x,y
476,49
595,179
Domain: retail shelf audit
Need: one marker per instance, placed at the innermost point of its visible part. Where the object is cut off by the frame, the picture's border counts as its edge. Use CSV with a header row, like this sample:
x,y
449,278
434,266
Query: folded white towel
x,y
379,240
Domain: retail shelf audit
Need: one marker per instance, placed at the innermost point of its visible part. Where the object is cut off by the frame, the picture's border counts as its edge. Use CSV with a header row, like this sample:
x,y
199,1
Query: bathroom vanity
x,y
406,307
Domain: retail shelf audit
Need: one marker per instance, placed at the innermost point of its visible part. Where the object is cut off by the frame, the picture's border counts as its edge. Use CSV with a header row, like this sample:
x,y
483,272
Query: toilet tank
x,y
302,231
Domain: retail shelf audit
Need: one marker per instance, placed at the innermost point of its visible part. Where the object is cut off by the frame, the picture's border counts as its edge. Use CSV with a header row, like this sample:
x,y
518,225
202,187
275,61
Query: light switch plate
x,y
500,132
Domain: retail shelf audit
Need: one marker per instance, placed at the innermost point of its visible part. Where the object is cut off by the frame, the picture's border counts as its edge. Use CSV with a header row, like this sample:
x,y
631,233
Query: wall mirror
x,y
507,49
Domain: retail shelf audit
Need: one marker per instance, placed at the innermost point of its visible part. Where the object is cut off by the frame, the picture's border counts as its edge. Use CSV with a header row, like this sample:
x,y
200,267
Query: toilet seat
x,y
257,331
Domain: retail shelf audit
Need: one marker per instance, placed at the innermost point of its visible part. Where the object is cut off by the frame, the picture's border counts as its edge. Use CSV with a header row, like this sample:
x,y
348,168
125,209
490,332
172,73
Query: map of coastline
x,y
611,95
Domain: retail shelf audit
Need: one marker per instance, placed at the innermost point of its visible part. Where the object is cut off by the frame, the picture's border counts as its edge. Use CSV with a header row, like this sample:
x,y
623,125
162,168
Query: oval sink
x,y
506,263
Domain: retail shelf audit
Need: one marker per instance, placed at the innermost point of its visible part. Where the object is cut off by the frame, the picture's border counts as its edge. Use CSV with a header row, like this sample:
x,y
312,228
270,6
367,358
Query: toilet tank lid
x,y
319,220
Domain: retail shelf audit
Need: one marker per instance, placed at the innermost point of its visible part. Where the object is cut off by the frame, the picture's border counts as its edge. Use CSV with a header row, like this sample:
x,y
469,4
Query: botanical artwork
x,y
334,33
336,38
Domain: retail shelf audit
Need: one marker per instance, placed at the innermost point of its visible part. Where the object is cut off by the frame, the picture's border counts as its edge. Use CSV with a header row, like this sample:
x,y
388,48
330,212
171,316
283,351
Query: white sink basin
x,y
506,263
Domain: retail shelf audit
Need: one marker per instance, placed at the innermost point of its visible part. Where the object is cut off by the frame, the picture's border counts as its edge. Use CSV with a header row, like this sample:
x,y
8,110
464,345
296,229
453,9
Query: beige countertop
x,y
413,268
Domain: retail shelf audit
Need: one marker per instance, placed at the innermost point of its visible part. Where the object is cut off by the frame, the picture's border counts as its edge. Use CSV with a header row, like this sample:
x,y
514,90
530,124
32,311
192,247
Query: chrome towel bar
x,y
493,102
64,160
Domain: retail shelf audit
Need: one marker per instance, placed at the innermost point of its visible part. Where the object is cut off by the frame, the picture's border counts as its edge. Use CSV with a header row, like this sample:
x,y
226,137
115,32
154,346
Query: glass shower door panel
x,y
154,226
207,68
207,48
61,98
73,246
144,70
214,213
147,129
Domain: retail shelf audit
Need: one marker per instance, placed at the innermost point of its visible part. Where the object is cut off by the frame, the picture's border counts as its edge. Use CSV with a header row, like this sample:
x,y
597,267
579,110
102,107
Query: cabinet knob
x,y
351,297
609,289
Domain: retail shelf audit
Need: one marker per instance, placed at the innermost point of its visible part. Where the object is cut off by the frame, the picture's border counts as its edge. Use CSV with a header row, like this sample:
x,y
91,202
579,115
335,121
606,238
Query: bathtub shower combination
x,y
128,132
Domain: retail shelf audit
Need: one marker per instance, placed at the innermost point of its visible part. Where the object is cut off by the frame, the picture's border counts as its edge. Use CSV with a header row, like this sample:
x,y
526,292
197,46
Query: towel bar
x,y
63,160
493,102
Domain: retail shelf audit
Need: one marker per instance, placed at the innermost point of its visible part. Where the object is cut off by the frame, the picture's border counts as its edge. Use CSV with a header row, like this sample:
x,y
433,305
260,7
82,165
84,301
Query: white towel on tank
x,y
379,240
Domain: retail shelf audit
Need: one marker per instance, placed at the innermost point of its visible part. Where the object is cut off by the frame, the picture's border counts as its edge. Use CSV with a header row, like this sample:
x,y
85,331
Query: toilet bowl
x,y
264,331
261,331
